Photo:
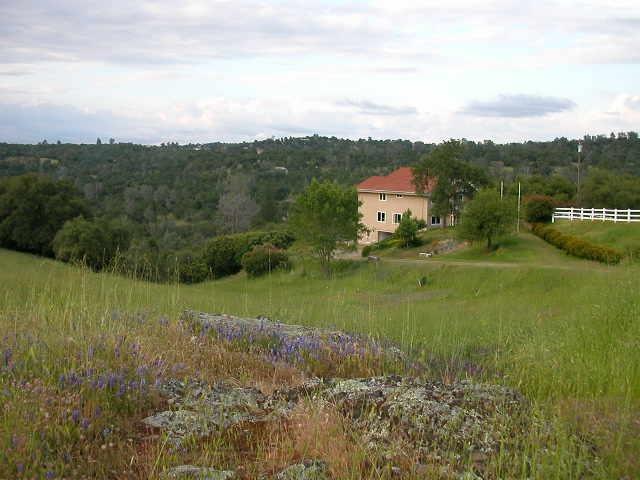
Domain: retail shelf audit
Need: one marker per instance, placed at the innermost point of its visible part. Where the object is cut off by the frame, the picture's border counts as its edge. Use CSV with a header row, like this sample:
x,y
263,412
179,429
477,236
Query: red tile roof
x,y
400,180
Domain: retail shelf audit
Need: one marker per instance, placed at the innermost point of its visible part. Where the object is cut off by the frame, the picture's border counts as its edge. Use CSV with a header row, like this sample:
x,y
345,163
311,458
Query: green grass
x,y
622,236
567,338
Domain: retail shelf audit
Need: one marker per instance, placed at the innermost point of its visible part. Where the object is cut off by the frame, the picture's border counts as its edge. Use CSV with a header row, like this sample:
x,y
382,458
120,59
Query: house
x,y
385,198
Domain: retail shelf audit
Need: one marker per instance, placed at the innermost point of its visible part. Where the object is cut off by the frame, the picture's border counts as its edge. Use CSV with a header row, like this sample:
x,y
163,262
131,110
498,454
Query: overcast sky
x,y
238,70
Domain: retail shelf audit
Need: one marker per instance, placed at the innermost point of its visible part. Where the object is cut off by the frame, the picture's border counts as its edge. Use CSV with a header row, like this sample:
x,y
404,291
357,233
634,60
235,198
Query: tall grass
x,y
569,340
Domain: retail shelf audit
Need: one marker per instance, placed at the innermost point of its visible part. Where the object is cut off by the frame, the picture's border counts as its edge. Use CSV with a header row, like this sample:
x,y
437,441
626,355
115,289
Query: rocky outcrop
x,y
390,413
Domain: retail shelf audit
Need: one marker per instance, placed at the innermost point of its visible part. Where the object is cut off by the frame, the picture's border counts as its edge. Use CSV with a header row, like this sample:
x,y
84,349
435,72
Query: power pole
x,y
578,194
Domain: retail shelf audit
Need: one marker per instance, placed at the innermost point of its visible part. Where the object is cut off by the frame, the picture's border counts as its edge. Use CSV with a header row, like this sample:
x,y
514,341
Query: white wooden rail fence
x,y
601,214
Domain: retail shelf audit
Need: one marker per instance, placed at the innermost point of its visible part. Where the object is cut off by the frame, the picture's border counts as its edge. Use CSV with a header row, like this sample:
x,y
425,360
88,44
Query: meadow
x,y
622,236
565,333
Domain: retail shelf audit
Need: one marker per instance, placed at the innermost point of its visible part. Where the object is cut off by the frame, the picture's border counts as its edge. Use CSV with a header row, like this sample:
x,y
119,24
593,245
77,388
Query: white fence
x,y
601,214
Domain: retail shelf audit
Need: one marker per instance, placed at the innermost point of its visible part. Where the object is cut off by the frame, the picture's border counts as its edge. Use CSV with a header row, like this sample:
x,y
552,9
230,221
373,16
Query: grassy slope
x,y
567,339
623,236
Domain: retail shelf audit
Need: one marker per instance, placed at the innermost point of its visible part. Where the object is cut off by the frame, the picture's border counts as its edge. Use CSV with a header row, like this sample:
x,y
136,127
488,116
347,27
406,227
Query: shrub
x,y
366,250
576,246
263,259
94,242
539,208
223,255
191,267
407,231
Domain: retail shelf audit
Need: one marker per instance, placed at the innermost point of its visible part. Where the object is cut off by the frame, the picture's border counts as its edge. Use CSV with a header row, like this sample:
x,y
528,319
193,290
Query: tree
x,y
323,216
236,206
455,179
407,230
486,217
33,208
98,141
94,242
539,208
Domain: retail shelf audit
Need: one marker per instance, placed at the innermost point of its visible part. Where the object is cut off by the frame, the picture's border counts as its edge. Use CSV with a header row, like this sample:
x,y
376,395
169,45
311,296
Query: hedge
x,y
576,246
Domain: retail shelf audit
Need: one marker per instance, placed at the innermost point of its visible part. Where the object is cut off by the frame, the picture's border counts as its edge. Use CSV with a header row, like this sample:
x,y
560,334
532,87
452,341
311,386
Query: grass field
x,y
623,236
568,338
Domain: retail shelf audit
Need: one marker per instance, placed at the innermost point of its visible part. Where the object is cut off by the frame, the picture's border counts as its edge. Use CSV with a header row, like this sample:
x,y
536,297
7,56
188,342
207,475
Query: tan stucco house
x,y
385,198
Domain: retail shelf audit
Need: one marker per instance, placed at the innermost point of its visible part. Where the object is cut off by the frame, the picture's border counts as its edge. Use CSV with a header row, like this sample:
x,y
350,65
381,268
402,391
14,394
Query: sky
x,y
202,71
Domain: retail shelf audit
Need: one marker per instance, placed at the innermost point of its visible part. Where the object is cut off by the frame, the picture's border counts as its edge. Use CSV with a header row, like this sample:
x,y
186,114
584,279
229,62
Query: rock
x,y
199,473
307,470
392,411
203,409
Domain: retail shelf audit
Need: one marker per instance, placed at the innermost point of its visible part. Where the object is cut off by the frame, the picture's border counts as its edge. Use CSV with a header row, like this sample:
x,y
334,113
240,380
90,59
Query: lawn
x,y
623,236
567,338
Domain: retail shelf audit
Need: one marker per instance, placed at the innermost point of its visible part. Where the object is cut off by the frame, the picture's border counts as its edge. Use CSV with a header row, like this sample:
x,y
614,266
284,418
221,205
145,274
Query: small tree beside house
x,y
407,230
486,217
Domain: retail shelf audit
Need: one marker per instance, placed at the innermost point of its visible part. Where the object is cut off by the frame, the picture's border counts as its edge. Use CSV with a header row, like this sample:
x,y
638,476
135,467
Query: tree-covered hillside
x,y
179,195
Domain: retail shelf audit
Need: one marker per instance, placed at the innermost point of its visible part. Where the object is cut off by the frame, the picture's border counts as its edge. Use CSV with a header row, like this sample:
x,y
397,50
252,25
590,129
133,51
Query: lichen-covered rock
x,y
202,409
430,416
191,472
307,470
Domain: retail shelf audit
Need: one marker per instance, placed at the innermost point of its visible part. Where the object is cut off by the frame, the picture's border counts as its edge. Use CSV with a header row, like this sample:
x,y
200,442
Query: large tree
x,y
33,208
487,217
455,179
236,207
325,215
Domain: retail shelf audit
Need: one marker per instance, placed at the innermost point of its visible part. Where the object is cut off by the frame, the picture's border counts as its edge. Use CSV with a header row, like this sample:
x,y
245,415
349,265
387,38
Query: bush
x,y
407,231
576,246
94,242
263,259
366,251
539,208
191,267
223,255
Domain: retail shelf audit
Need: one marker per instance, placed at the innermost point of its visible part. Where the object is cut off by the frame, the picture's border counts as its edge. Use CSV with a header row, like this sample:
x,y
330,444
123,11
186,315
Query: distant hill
x,y
175,190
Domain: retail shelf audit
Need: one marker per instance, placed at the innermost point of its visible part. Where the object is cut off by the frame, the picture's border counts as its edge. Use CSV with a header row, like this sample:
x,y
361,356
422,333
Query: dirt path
x,y
483,264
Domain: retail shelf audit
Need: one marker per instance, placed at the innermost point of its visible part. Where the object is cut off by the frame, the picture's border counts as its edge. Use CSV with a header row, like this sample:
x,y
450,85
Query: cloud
x,y
518,106
366,107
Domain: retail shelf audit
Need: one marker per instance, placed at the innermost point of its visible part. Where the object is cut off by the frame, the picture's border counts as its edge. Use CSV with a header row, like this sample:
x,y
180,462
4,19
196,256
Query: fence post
x,y
592,213
615,215
628,215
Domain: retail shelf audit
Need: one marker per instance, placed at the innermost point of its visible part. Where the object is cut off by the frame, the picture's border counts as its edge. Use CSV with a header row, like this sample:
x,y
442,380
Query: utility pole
x,y
578,195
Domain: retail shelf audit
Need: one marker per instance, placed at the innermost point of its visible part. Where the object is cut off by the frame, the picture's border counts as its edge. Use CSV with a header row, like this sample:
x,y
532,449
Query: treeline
x,y
178,196
52,218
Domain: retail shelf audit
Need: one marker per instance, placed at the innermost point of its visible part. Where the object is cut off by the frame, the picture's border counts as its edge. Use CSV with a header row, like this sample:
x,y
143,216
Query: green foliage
x,y
33,208
263,259
324,215
576,246
603,189
539,208
407,231
223,254
93,242
560,188
456,178
191,267
486,217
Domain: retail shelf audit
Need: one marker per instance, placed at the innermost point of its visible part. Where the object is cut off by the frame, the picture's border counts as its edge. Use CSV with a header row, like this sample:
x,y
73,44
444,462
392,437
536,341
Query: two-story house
x,y
385,198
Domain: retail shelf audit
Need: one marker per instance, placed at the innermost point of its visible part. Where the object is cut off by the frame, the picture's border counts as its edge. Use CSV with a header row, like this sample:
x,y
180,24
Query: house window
x,y
382,217
397,217
399,196
382,197
435,220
